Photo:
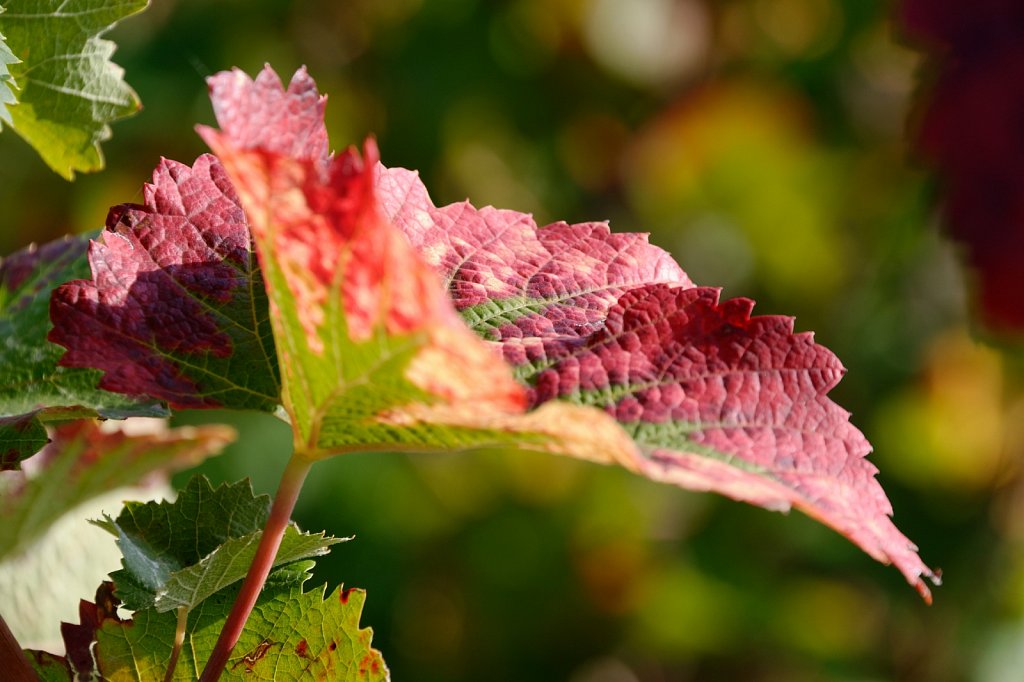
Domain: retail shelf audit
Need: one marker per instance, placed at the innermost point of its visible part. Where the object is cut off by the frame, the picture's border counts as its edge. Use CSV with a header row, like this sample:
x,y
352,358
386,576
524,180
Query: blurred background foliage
x,y
764,143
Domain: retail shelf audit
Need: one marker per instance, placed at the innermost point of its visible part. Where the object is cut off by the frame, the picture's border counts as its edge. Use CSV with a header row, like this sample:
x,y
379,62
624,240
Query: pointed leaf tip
x,y
263,114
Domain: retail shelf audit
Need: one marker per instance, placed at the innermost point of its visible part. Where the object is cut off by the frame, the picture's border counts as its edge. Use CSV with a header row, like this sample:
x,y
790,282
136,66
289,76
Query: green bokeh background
x,y
764,143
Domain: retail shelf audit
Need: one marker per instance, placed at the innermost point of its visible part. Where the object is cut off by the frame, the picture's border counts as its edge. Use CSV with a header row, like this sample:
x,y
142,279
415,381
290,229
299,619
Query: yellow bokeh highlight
x,y
950,428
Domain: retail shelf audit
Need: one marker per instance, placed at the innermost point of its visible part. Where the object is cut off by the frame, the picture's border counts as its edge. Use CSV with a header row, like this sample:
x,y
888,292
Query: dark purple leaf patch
x,y
175,309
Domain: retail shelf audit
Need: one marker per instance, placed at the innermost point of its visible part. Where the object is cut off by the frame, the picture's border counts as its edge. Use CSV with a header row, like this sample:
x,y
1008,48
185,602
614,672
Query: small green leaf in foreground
x,y
84,461
68,90
176,554
291,635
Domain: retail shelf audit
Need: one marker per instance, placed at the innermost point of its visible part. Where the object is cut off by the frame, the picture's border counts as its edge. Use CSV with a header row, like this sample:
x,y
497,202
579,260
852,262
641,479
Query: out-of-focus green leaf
x,y
68,90
82,462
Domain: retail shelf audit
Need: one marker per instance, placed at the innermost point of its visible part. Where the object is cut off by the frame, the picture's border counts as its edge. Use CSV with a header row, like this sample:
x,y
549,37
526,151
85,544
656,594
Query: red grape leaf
x,y
713,399
374,356
970,115
175,308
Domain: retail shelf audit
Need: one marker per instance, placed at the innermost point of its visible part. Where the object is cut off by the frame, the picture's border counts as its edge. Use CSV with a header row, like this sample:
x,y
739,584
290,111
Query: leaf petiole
x,y
179,640
12,658
280,514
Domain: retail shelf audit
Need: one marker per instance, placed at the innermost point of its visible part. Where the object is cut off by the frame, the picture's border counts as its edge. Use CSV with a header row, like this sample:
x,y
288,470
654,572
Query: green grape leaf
x,y
84,461
68,90
36,389
176,554
290,635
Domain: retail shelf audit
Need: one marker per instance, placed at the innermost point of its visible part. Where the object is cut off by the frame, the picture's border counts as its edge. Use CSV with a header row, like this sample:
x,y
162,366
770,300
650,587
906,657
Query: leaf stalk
x,y
12,659
179,640
280,515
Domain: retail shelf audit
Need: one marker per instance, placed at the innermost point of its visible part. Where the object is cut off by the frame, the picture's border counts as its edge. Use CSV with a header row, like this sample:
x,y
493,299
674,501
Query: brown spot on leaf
x,y
302,649
332,646
253,657
343,597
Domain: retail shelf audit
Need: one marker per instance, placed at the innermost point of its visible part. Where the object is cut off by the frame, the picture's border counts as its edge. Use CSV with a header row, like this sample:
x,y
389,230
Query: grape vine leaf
x,y
83,461
600,329
291,635
178,554
175,309
35,389
968,108
67,89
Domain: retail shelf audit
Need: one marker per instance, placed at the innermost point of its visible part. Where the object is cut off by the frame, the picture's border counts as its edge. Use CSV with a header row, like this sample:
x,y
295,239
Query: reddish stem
x,y
273,531
12,659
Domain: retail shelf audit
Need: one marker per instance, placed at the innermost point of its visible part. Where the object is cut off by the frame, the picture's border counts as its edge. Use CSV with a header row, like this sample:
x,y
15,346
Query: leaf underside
x,y
713,398
60,91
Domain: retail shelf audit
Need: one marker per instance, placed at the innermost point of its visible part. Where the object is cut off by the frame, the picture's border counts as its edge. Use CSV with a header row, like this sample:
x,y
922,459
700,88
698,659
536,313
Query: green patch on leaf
x,y
176,554
68,90
487,318
50,667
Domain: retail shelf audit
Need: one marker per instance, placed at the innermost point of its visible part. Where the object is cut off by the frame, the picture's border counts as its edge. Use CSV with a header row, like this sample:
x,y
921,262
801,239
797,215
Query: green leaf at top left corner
x,y
57,68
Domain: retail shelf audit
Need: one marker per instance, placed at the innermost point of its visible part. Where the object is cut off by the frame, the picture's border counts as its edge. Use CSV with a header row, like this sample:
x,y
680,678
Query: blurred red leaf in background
x,y
969,128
